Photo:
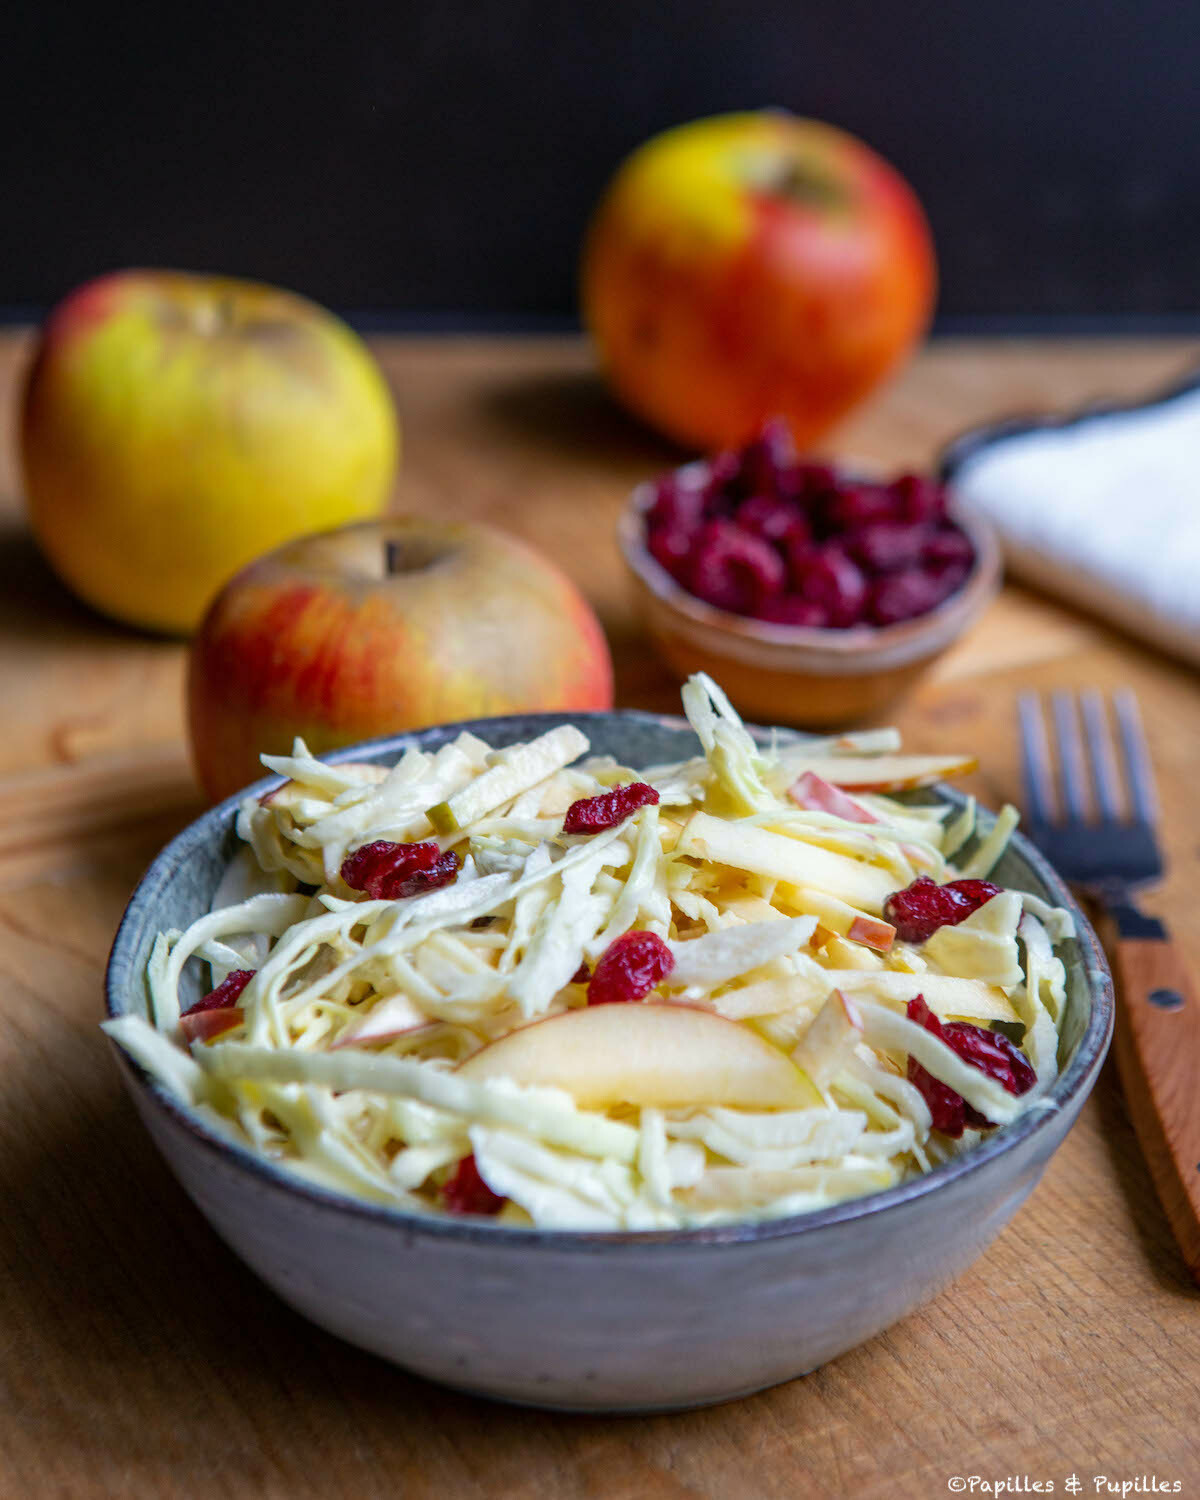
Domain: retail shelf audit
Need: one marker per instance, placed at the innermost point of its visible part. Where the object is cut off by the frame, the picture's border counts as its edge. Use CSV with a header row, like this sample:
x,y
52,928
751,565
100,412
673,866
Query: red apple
x,y
384,626
754,264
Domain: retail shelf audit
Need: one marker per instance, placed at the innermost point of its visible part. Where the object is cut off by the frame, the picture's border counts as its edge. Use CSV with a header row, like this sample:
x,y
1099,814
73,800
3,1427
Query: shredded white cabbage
x,y
769,1072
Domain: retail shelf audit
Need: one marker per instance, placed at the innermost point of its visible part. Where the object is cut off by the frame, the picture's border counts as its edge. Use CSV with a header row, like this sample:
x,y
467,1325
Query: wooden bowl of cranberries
x,y
816,596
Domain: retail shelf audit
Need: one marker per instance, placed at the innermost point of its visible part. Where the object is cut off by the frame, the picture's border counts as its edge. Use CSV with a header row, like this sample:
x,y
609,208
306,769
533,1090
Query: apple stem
x,y
408,554
803,184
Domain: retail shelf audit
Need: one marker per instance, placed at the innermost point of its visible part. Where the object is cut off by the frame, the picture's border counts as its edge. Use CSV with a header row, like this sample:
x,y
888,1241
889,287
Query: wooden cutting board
x,y
138,1358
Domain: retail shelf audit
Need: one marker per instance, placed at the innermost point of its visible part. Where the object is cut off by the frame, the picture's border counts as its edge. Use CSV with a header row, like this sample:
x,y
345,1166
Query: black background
x,y
436,162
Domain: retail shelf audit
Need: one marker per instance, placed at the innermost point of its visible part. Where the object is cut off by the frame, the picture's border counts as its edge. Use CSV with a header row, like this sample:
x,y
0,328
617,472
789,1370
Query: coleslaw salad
x,y
379,1043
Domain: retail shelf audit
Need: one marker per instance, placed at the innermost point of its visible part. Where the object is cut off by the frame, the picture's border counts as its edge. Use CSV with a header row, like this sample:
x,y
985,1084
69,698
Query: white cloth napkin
x,y
1105,513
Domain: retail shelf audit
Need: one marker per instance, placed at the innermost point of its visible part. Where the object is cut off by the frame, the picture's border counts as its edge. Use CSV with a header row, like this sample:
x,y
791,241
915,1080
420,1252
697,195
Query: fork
x,y
1098,830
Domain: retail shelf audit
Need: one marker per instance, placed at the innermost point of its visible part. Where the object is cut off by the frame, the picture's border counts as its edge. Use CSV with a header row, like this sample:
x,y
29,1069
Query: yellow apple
x,y
383,626
176,426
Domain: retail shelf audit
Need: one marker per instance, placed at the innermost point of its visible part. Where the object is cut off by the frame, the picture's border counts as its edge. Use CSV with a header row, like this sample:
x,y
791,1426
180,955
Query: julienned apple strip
x,y
949,997
840,917
512,772
883,773
779,857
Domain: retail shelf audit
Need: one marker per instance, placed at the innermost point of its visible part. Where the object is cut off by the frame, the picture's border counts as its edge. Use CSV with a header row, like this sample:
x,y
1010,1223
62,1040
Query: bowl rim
x,y
952,614
1075,1080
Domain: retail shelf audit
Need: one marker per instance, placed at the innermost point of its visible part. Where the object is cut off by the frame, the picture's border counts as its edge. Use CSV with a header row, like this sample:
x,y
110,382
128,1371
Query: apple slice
x,y
818,795
718,957
744,846
203,1025
283,797
947,996
871,932
765,997
830,1040
984,946
840,953
842,918
887,773
397,1015
294,791
661,1056
745,1187
512,772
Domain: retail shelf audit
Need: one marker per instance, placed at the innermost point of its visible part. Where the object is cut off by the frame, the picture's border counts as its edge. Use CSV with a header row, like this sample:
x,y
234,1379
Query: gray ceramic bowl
x,y
598,1321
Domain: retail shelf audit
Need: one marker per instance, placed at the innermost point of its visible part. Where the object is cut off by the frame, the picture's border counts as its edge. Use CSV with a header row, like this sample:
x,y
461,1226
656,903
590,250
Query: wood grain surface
x,y
138,1358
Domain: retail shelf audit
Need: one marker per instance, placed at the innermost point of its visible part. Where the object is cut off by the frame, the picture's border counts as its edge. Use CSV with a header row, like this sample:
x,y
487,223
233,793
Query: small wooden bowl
x,y
788,673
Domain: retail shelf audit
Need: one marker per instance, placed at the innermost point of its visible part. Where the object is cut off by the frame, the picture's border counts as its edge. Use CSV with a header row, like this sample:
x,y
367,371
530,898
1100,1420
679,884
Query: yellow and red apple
x,y
754,264
384,626
176,426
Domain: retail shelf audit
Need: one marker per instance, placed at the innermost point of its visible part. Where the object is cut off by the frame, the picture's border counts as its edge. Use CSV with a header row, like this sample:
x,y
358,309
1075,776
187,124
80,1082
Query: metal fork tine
x,y
1137,758
1070,752
1100,750
1114,851
1039,783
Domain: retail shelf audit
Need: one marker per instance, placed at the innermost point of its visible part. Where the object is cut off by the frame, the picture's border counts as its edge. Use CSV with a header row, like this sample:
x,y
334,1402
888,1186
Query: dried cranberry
x,y
758,525
908,593
391,872
769,461
921,908
467,1193
594,814
992,1053
733,570
947,1107
629,968
721,489
827,577
797,550
815,480
677,506
790,609
225,994
919,498
772,519
884,546
852,506
582,974
989,1051
948,545
670,549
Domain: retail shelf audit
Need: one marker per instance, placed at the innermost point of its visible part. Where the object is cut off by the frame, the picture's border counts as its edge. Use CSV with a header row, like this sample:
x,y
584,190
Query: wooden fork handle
x,y
1157,1046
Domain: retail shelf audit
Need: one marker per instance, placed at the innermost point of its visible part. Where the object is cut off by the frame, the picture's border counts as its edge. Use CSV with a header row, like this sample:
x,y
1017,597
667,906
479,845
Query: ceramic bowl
x,y
794,675
597,1321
